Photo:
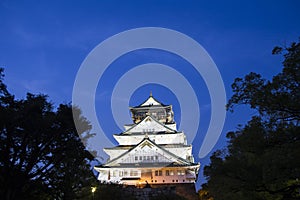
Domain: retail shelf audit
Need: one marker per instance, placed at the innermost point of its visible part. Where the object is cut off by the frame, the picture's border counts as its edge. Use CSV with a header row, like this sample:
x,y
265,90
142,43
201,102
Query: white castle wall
x,y
169,138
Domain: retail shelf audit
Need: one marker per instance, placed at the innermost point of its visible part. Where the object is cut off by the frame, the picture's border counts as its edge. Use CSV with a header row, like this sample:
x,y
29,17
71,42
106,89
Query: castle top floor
x,y
151,106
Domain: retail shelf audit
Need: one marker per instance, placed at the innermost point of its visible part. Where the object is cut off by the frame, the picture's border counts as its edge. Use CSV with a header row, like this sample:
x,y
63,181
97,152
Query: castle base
x,y
156,191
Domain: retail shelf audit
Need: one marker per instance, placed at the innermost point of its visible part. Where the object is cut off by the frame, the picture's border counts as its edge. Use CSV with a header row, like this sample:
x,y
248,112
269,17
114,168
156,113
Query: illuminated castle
x,y
150,150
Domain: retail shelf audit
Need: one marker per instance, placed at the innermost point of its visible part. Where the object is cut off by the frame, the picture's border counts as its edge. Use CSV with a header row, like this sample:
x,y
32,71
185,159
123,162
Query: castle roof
x,y
149,122
173,159
150,102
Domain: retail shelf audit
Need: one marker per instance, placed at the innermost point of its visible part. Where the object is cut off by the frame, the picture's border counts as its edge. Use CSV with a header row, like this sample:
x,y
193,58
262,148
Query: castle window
x,y
133,173
158,173
167,172
120,173
180,172
114,173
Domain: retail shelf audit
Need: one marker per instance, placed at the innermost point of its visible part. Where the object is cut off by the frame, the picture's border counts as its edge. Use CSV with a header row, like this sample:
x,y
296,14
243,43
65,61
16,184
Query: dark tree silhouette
x,y
42,156
262,158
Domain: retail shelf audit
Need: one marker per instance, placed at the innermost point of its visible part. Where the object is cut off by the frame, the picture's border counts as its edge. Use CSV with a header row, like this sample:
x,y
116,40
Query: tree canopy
x,y
262,158
42,156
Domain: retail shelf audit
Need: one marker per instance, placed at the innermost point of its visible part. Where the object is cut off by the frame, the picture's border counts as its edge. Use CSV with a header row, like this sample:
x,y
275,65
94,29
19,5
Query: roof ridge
x,y
126,131
154,99
147,139
149,98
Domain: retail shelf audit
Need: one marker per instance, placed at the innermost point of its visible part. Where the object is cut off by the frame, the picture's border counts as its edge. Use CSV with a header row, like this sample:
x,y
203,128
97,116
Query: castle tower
x,y
151,150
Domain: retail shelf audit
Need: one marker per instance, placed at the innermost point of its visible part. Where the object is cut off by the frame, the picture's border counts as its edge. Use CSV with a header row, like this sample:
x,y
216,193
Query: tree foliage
x,y
42,156
278,99
262,158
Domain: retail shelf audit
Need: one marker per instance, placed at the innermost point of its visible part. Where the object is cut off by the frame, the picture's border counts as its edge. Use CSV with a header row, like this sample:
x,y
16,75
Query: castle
x,y
151,150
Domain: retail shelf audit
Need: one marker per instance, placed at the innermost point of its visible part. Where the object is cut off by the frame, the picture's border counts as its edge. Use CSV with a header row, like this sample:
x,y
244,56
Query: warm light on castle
x,y
150,150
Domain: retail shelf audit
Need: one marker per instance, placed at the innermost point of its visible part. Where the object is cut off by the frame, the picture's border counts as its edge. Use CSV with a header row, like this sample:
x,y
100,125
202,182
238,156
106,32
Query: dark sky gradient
x,y
43,43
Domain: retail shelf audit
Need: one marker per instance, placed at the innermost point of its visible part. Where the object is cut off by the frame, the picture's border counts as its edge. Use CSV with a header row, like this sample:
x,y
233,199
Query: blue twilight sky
x,y
43,43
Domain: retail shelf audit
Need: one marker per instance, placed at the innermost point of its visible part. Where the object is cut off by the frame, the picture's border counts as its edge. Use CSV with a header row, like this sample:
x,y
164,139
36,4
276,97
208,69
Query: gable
x,y
149,124
146,152
150,101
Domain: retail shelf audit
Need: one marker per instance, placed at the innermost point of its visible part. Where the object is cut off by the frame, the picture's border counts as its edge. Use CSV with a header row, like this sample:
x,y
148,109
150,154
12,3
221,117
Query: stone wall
x,y
150,193
179,191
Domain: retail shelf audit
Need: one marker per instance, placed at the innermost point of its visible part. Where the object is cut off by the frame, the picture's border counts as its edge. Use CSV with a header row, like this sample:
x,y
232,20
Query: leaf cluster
x,y
278,99
42,156
262,158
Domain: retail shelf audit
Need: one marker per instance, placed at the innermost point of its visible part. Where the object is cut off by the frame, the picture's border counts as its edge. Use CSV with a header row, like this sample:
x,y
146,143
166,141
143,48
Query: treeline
x,y
262,159
41,154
